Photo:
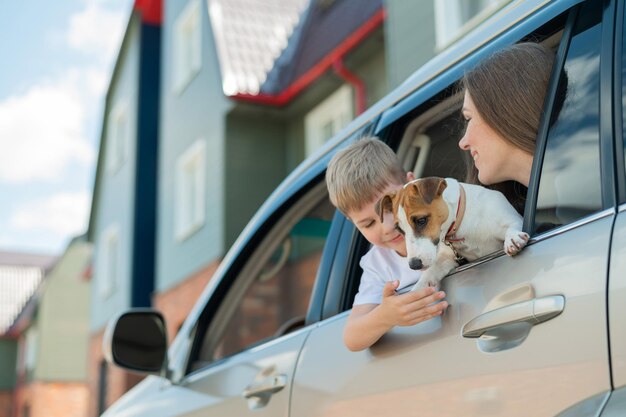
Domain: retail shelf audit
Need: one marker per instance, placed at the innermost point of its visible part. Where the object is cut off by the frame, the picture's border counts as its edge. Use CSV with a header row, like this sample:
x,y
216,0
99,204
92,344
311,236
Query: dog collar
x,y
456,223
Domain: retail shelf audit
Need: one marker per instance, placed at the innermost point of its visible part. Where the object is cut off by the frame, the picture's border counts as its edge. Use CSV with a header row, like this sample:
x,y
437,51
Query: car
x,y
540,334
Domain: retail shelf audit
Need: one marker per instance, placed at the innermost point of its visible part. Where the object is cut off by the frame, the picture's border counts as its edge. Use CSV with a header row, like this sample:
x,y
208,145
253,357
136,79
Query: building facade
x,y
52,365
21,276
122,222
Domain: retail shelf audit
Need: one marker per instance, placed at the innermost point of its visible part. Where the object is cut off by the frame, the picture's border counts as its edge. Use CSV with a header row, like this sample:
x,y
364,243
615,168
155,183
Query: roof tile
x,y
250,35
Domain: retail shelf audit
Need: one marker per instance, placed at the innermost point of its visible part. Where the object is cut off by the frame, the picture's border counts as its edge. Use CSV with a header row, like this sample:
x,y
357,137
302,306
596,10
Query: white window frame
x,y
449,24
31,348
118,136
109,261
338,109
187,46
190,204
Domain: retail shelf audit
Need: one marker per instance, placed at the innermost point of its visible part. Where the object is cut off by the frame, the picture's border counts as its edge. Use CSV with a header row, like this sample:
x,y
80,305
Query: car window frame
x,y
619,83
233,269
425,94
605,125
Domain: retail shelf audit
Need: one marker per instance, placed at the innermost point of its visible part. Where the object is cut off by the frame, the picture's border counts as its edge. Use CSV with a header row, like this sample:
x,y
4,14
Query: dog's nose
x,y
415,263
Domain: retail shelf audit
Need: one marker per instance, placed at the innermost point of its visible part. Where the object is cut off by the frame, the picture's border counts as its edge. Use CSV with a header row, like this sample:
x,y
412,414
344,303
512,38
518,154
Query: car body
x,y
540,334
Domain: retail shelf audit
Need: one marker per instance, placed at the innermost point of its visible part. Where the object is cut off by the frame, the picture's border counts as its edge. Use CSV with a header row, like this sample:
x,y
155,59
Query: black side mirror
x,y
137,340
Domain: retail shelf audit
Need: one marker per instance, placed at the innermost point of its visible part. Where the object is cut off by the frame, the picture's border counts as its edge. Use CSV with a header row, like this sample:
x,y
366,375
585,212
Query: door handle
x,y
533,312
266,387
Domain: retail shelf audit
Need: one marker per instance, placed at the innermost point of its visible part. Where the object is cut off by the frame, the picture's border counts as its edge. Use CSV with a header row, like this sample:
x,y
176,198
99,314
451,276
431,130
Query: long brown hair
x,y
508,89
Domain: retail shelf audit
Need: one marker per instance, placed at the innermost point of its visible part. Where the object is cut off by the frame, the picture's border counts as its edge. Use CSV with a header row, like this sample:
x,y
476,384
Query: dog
x,y
445,222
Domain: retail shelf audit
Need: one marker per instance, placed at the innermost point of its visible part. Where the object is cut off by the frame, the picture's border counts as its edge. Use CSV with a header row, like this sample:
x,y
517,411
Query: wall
x,y
197,112
409,37
115,193
6,403
8,360
63,319
255,165
48,399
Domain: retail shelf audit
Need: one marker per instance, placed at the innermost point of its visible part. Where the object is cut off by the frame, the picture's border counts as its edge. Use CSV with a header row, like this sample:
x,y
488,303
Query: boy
x,y
357,177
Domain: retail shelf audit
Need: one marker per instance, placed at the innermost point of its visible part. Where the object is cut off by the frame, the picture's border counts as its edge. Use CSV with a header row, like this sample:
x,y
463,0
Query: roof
x,y
250,35
20,275
326,25
327,30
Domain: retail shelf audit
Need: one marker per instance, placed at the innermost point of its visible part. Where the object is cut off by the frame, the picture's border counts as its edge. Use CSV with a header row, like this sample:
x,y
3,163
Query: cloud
x,y
42,131
5,241
64,214
96,82
96,30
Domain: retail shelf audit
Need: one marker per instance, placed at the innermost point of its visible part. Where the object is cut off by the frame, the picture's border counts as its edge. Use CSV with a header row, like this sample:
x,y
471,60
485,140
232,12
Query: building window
x,y
118,136
30,358
187,46
454,18
328,118
189,208
109,261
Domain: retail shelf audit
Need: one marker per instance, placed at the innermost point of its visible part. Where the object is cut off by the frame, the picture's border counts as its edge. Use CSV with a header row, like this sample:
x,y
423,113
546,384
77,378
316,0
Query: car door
x,y
523,336
249,337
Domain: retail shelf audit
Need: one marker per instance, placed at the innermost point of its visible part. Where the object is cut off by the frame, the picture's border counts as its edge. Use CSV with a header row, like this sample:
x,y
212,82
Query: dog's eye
x,y
398,229
420,221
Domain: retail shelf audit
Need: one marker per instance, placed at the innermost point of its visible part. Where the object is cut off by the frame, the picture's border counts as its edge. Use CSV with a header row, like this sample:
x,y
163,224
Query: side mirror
x,y
137,340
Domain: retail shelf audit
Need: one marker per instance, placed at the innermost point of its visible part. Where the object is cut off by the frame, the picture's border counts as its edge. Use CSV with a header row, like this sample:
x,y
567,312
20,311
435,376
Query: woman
x,y
503,105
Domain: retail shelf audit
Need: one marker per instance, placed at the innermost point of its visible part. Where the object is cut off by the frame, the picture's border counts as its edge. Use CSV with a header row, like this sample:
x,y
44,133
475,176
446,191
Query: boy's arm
x,y
368,322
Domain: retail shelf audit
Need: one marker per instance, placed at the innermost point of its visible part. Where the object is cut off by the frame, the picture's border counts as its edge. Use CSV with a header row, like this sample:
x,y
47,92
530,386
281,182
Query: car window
x,y
569,185
271,294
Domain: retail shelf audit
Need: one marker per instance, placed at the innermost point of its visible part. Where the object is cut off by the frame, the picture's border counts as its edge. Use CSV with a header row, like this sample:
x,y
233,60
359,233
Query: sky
x,y
56,60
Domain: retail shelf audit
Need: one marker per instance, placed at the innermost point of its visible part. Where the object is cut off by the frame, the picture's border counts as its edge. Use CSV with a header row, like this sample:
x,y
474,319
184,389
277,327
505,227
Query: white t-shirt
x,y
381,265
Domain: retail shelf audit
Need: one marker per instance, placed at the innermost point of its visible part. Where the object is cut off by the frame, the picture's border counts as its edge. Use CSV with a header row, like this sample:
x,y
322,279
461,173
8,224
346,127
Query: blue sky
x,y
57,58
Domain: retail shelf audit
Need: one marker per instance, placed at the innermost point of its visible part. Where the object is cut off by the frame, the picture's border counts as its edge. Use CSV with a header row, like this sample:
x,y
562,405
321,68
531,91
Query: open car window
x,y
569,178
426,136
270,297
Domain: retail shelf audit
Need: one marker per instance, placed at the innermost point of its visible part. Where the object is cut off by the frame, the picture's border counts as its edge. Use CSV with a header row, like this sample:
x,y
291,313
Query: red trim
x,y
318,69
356,82
151,11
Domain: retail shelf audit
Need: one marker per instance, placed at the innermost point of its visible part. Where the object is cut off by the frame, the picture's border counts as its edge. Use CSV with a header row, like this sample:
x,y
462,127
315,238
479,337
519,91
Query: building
x,y
123,212
53,329
20,276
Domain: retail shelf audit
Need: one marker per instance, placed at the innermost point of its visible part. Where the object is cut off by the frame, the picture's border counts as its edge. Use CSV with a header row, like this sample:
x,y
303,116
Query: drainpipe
x,y
360,97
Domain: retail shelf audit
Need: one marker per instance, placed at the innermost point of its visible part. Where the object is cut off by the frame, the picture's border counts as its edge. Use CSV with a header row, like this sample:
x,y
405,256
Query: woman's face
x,y
496,159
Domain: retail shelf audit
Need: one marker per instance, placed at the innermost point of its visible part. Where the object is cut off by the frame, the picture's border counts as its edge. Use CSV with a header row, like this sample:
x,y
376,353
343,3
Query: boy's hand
x,y
410,308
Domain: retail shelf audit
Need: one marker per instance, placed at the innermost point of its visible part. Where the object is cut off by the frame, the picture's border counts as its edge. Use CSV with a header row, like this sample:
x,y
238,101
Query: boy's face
x,y
379,234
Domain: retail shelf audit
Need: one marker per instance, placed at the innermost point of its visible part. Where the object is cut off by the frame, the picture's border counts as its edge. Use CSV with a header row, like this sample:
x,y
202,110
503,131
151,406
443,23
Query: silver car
x,y
541,334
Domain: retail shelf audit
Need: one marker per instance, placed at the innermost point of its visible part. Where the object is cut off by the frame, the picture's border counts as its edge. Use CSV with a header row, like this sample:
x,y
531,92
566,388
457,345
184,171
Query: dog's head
x,y
419,213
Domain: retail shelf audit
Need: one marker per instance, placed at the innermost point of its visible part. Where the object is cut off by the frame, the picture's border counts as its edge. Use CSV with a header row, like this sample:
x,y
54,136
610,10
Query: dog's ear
x,y
384,204
430,188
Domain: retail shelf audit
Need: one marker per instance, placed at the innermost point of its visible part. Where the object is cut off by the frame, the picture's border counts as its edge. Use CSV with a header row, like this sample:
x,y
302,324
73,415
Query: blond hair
x,y
357,174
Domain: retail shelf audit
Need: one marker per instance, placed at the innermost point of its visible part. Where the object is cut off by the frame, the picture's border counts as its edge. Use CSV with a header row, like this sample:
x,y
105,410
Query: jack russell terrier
x,y
445,222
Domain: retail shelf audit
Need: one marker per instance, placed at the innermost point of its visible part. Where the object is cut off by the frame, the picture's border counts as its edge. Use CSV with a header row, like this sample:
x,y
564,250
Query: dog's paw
x,y
515,242
425,283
